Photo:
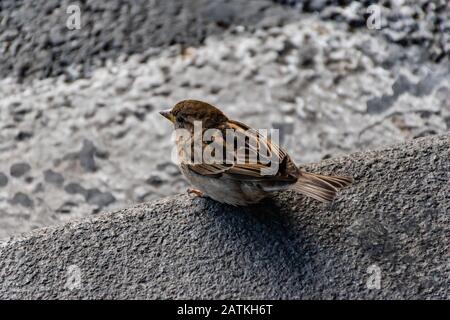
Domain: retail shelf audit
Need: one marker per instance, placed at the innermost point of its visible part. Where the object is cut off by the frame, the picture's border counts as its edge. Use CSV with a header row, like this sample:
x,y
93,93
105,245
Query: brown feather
x,y
320,187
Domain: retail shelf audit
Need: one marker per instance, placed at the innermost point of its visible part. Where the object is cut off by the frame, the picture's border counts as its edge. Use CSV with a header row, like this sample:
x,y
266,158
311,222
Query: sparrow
x,y
236,180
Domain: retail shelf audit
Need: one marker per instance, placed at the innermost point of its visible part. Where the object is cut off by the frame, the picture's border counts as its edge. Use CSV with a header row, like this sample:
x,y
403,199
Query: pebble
x,y
23,135
74,188
22,199
3,179
154,180
19,169
96,197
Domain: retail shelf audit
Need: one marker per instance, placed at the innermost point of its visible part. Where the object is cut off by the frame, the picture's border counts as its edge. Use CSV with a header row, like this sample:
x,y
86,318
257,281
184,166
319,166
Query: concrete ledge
x,y
394,220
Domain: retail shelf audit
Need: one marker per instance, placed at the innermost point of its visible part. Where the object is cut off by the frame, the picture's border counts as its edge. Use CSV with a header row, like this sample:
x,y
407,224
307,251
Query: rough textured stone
x,y
394,218
74,188
45,47
53,177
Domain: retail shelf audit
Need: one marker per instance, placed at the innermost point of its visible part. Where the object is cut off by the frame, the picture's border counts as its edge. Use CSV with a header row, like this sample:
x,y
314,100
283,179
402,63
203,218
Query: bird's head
x,y
186,112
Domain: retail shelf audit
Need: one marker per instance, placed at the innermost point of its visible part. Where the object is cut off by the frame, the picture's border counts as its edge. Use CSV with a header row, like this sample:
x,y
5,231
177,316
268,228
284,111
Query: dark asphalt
x,y
395,218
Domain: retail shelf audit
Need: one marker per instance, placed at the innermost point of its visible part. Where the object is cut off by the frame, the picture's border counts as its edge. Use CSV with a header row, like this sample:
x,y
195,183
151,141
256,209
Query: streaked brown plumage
x,y
242,184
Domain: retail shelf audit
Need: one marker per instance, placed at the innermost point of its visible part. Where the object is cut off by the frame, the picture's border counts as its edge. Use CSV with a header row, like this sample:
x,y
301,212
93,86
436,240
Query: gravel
x,y
406,22
98,198
22,199
87,153
19,169
3,179
74,188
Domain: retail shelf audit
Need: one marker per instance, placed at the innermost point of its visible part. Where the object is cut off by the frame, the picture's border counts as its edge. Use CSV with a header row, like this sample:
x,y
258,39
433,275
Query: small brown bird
x,y
237,180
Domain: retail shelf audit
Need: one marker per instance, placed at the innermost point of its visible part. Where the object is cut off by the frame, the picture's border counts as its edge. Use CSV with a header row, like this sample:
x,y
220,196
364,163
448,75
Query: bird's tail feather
x,y
320,187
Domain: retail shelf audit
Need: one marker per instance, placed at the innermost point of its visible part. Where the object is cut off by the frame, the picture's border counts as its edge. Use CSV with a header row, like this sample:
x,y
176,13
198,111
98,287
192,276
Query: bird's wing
x,y
251,160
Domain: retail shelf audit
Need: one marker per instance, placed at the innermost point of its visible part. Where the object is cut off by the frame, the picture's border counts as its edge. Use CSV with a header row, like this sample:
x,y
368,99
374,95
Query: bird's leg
x,y
195,192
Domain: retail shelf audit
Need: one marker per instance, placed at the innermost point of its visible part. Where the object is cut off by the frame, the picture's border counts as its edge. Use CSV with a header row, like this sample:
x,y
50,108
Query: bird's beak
x,y
168,115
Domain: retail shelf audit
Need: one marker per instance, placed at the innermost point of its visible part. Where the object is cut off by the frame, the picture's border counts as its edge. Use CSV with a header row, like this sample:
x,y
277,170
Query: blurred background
x,y
81,84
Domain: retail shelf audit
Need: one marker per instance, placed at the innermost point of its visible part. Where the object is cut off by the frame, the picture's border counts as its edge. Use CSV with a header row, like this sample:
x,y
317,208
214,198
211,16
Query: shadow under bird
x,y
241,183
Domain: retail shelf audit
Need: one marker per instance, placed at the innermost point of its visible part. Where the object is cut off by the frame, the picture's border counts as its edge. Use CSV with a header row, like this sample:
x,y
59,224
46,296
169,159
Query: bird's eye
x,y
180,119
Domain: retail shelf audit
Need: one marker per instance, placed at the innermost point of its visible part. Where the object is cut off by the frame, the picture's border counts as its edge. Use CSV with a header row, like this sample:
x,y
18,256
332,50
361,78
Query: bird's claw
x,y
195,192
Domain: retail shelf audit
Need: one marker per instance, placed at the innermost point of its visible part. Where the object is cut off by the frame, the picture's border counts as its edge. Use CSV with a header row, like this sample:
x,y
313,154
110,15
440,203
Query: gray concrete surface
x,y
395,219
